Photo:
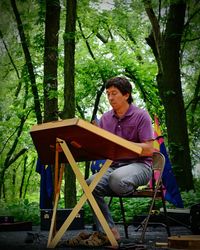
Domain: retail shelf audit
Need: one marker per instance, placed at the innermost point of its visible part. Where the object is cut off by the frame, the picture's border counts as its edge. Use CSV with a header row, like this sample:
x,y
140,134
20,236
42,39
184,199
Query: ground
x,y
37,239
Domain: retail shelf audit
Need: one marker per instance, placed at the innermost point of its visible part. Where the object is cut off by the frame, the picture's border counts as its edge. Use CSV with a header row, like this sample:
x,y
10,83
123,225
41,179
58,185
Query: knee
x,y
121,185
115,183
89,180
97,190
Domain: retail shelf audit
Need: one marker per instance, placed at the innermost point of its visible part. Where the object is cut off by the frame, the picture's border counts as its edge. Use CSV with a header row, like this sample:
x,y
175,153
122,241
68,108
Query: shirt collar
x,y
129,112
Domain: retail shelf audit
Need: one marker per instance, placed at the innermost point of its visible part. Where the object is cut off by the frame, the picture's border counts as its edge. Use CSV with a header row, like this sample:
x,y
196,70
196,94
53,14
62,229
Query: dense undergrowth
x,y
24,210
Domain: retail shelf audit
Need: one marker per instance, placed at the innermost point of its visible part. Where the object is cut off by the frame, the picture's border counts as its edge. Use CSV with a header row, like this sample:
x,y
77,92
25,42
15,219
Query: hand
x,y
94,123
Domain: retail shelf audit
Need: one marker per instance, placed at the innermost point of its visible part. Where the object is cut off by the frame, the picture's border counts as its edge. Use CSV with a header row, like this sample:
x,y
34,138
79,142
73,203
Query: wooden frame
x,y
75,140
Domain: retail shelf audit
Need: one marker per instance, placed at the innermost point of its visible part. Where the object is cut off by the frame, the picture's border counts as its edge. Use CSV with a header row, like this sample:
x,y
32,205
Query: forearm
x,y
147,148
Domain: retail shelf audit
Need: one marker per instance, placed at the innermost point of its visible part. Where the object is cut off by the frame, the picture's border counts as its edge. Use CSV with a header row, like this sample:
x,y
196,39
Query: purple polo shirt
x,y
135,126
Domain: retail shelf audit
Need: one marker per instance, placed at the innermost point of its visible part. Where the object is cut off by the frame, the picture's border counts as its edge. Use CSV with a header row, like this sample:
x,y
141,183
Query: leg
x,y
100,191
125,179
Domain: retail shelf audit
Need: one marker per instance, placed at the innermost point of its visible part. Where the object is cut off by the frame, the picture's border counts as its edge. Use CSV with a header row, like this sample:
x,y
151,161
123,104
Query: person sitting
x,y
131,123
123,176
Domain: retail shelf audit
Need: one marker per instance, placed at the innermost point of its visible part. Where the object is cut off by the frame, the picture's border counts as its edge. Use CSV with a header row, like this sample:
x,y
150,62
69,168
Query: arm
x,y
147,148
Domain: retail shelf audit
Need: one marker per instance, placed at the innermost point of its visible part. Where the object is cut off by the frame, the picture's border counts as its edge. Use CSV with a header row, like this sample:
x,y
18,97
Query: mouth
x,y
112,103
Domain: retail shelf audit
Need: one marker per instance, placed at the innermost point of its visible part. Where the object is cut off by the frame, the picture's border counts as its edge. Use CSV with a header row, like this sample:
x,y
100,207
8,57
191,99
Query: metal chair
x,y
154,191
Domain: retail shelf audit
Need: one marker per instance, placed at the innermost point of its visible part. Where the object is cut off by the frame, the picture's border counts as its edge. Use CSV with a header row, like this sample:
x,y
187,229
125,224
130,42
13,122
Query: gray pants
x,y
121,181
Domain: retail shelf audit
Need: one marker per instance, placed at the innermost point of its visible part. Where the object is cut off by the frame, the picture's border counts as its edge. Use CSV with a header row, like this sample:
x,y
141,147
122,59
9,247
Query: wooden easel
x,y
75,140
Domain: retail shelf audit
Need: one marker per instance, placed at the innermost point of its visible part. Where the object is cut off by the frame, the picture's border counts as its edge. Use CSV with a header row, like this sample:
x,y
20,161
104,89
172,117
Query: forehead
x,y
111,89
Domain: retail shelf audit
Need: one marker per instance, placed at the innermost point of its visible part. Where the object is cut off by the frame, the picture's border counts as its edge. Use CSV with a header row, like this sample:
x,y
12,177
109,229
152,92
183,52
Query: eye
x,y
112,93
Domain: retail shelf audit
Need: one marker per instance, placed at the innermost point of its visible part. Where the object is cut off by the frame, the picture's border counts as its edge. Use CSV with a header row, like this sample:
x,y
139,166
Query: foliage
x,y
22,210
139,206
26,210
133,207
112,41
192,197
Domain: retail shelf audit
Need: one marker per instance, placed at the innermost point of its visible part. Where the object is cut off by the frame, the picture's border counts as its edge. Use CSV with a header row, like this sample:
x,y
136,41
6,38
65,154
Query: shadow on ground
x,y
37,239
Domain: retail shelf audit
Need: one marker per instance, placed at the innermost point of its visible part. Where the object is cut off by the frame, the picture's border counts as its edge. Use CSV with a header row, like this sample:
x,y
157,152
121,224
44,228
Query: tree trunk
x,y
50,82
11,156
52,25
166,49
23,176
28,178
69,92
29,63
2,187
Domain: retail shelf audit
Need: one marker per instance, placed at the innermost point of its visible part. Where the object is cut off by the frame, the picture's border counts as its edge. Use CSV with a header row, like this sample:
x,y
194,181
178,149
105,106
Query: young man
x,y
134,124
123,177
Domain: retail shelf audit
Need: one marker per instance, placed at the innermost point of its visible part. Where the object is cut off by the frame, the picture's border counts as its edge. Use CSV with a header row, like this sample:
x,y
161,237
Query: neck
x,y
122,110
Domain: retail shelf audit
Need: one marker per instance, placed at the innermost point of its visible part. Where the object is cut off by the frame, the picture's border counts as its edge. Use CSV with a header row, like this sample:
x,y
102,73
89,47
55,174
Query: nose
x,y
110,97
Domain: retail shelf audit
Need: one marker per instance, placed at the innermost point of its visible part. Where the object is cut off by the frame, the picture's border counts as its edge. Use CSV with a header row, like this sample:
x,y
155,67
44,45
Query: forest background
x,y
55,59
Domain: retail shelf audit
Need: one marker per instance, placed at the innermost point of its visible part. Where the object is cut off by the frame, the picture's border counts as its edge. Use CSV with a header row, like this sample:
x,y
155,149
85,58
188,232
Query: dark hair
x,y
122,84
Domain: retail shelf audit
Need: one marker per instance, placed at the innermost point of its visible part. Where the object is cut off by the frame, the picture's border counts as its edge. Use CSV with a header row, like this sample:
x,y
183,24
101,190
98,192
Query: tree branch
x,y
29,63
15,157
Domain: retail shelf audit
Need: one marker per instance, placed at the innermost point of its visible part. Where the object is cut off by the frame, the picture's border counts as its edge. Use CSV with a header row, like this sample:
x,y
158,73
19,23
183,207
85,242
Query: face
x,y
115,98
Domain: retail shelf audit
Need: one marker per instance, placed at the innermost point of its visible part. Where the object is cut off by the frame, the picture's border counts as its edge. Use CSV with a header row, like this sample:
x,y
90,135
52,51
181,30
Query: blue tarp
x,y
172,193
46,185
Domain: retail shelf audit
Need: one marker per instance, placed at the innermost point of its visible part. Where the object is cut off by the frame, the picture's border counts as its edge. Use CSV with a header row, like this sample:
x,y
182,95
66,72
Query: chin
x,y
113,105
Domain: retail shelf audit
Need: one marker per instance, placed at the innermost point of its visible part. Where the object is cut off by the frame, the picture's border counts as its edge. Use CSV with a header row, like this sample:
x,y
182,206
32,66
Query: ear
x,y
127,96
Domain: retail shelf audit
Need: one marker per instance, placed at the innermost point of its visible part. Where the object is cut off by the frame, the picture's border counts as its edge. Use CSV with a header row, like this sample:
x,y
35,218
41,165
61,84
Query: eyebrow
x,y
113,90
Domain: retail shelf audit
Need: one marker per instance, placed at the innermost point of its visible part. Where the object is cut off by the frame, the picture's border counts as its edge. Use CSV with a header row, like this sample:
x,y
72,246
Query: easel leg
x,y
53,220
78,207
57,185
83,199
89,194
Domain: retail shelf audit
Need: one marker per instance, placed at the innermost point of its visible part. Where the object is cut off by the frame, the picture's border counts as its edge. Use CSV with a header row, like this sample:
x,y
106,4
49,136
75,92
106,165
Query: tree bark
x,y
166,49
23,176
11,155
50,84
29,63
69,92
